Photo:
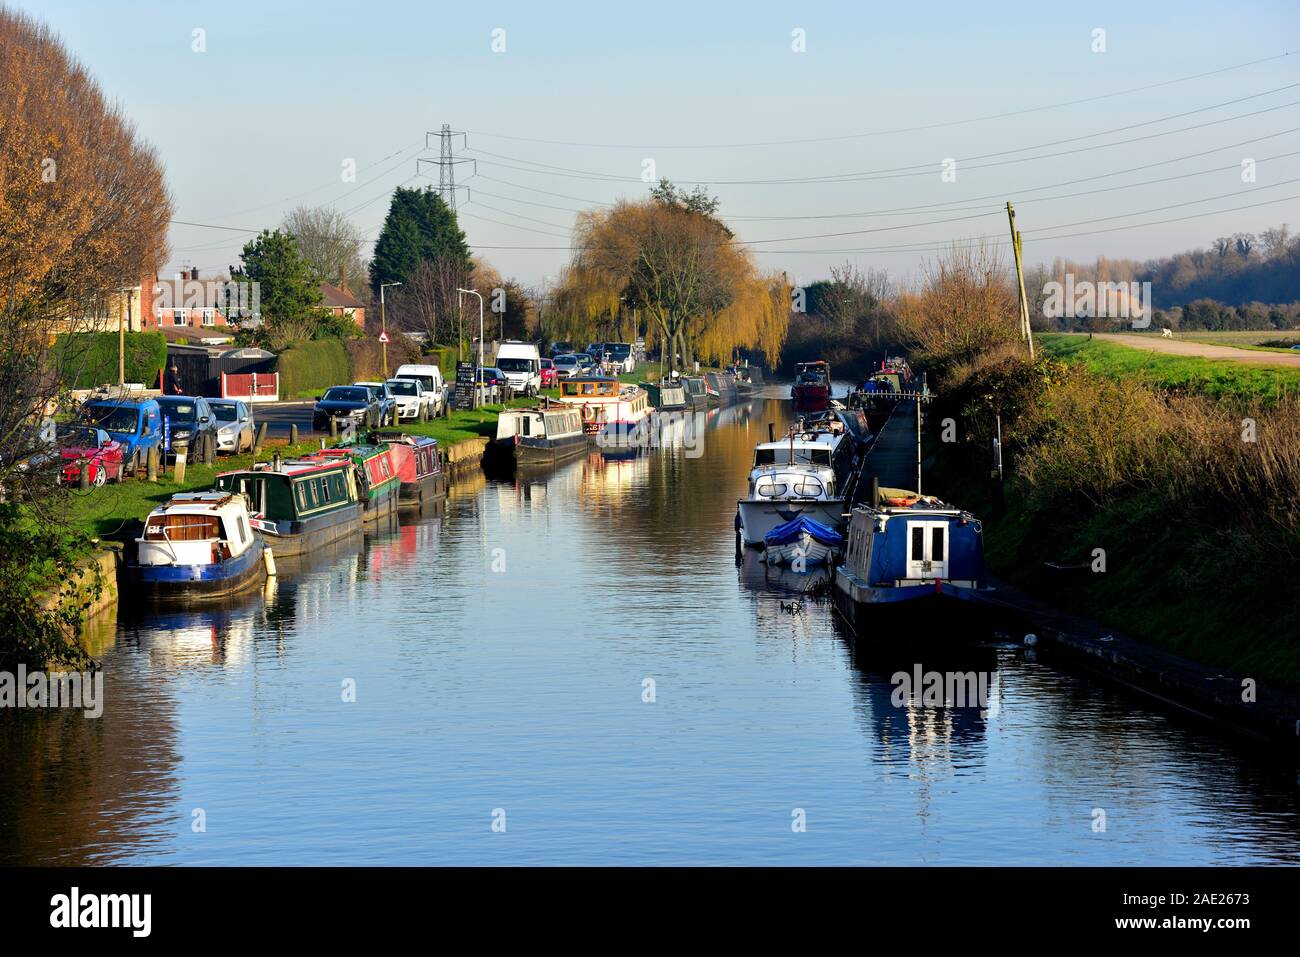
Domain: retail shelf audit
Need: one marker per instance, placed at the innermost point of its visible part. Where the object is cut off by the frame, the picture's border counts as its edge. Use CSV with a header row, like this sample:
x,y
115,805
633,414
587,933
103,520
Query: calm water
x,y
500,653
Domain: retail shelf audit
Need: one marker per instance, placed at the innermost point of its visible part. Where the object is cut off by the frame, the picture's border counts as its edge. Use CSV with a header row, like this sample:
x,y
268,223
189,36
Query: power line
x,y
903,129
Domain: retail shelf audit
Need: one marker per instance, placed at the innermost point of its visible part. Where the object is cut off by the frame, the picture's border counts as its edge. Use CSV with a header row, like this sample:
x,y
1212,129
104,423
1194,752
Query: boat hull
x,y
805,548
190,582
530,450
430,488
934,610
299,537
380,502
756,518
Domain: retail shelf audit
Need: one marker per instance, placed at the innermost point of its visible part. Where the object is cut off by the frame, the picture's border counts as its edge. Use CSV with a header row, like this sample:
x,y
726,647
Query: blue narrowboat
x,y
909,552
198,544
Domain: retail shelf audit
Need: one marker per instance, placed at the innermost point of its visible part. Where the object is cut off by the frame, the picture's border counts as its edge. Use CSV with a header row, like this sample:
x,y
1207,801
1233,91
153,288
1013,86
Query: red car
x,y
550,378
102,455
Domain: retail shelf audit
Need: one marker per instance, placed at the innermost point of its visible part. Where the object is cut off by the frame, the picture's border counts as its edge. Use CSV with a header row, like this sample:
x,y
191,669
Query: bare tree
x,y
332,244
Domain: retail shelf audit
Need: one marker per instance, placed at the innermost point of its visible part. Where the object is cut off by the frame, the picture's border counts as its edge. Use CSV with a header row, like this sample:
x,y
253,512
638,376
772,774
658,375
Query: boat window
x,y
301,491
809,488
243,531
937,552
325,489
771,489
528,425
918,543
180,527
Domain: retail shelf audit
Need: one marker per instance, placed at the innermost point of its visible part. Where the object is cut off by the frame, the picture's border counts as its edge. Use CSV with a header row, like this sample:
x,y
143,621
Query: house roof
x,y
336,298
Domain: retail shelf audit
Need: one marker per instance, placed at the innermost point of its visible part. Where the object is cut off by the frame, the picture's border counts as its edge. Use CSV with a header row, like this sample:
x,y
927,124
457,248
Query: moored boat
x,y
197,545
805,474
296,506
697,393
542,435
615,413
668,394
418,462
909,551
811,391
721,388
378,484
803,542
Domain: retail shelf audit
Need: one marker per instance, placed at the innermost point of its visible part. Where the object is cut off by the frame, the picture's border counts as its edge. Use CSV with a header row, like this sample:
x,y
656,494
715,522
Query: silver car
x,y
234,425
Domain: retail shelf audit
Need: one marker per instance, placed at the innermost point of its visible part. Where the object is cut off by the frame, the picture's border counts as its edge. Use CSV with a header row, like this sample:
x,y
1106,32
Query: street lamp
x,y
471,292
383,322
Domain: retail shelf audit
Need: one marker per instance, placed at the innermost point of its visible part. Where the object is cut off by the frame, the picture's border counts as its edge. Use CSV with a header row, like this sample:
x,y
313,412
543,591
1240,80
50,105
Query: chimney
x,y
194,273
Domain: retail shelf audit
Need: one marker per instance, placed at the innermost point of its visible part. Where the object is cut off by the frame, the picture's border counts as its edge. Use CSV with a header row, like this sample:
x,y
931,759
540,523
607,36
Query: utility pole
x,y
1025,331
121,340
383,323
446,162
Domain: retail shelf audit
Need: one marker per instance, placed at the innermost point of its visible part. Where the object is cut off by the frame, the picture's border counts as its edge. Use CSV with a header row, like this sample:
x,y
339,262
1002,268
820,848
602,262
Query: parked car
x,y
550,378
235,431
134,423
566,367
586,363
431,384
91,447
495,380
620,355
347,403
387,402
409,397
522,364
190,423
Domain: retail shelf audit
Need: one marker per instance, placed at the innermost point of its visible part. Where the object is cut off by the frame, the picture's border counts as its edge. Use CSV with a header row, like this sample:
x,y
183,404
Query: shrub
x,y
317,364
84,360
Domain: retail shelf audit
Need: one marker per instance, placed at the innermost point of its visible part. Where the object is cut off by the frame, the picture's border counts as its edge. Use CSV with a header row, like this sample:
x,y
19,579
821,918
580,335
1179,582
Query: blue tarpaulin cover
x,y
791,530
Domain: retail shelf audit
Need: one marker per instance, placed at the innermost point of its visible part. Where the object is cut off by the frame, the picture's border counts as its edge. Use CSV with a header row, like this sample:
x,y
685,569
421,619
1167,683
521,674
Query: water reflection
x,y
500,647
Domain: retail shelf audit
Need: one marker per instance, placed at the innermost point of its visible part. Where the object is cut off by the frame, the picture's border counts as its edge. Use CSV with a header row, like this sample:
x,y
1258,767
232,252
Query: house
x,y
343,303
130,306
188,302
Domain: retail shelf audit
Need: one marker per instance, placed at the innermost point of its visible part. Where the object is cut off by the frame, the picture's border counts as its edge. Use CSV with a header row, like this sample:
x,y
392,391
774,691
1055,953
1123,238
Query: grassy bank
x,y
1215,378
1151,474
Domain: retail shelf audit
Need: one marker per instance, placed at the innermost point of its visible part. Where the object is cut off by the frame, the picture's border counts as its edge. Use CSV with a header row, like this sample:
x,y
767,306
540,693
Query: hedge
x,y
366,357
317,364
84,360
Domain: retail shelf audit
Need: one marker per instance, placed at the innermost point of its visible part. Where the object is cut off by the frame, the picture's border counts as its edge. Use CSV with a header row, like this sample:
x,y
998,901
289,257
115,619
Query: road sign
x,y
383,337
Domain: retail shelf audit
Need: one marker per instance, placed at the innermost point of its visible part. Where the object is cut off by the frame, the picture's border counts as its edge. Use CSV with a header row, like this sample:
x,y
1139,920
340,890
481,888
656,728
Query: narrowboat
x,y
543,435
721,388
811,391
378,485
617,414
668,394
907,552
418,462
197,545
697,393
805,474
297,506
803,542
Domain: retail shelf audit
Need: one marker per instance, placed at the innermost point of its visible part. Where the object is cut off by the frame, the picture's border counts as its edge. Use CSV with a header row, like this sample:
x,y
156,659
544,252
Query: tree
x,y
289,291
674,261
332,246
419,226
83,212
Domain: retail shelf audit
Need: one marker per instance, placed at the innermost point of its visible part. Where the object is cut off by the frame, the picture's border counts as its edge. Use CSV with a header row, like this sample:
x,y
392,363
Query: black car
x,y
353,403
190,423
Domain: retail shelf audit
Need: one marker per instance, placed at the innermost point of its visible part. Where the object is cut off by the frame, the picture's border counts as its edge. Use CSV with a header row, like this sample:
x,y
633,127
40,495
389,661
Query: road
x,y
1179,347
280,415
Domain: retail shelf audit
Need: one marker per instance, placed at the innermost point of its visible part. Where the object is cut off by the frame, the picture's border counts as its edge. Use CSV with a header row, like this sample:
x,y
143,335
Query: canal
x,y
570,668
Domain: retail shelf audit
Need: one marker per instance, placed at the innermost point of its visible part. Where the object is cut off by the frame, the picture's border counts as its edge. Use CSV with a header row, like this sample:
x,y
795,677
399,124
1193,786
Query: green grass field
x,y
1251,340
1216,378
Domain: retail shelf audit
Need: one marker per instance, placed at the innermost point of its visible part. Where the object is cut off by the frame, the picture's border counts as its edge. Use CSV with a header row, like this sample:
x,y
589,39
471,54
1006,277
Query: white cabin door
x,y
927,549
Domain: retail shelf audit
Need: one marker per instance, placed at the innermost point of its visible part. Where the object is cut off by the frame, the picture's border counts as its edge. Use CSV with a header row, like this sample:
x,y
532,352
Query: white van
x,y
522,364
433,392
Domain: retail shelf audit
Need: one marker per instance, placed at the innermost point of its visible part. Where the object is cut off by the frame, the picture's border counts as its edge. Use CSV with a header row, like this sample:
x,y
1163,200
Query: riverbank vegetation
x,y
1161,502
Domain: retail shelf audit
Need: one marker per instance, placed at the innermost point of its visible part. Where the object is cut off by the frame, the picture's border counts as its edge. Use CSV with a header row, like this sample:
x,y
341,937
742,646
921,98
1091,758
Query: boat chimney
x,y
771,431
875,491
275,463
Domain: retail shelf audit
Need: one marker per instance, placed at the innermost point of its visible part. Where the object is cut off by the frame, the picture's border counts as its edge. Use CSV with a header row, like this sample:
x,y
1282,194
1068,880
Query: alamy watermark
x,y
1085,299
59,689
940,689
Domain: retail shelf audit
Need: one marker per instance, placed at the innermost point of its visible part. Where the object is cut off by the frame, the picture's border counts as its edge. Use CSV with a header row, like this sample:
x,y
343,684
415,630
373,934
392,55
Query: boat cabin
x,y
195,528
281,492
542,422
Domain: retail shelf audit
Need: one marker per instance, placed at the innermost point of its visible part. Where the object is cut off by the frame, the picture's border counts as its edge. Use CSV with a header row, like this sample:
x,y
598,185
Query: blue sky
x,y
286,92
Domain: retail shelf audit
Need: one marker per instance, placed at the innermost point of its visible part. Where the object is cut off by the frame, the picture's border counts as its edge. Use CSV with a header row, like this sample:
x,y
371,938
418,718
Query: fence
x,y
251,387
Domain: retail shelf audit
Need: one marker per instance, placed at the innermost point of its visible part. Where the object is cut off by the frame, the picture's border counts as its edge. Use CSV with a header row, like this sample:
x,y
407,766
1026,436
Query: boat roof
x,y
806,440
403,438
193,502
288,467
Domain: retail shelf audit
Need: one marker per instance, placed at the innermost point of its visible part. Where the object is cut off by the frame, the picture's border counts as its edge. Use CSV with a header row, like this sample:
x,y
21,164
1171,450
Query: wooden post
x,y
293,433
260,440
151,466
178,475
334,428
84,478
1025,332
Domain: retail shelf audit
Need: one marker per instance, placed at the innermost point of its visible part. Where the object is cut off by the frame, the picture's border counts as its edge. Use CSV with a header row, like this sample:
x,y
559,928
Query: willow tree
x,y
672,259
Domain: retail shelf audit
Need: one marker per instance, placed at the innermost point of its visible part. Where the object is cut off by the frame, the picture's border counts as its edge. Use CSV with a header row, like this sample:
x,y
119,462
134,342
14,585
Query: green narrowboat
x,y
298,505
